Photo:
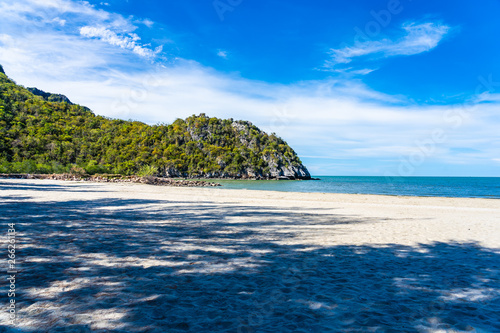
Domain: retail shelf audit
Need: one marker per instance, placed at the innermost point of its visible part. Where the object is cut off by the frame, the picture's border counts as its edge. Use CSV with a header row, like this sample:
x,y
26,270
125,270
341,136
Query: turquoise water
x,y
467,187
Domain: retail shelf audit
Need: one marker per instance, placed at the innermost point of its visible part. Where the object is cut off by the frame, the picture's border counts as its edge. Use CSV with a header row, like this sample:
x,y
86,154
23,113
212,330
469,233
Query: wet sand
x,y
138,258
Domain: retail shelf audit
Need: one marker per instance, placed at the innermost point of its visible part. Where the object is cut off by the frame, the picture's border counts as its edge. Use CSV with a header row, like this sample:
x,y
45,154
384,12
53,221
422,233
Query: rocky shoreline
x,y
108,178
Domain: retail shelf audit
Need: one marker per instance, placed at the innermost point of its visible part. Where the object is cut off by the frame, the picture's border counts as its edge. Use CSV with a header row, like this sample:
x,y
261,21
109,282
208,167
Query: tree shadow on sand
x,y
42,186
119,265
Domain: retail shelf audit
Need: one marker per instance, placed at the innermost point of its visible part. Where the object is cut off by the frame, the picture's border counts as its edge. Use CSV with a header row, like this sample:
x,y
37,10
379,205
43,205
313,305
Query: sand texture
x,y
95,257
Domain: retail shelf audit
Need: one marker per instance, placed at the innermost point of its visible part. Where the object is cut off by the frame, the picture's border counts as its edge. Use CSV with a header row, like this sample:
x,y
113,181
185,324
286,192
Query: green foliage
x,y
93,167
45,134
148,170
30,166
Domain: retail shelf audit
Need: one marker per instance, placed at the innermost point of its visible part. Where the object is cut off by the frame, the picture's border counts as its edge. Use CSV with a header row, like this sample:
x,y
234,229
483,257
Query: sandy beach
x,y
98,257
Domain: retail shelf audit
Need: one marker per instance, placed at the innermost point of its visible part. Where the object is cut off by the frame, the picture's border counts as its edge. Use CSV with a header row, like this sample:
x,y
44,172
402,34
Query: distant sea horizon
x,y
418,186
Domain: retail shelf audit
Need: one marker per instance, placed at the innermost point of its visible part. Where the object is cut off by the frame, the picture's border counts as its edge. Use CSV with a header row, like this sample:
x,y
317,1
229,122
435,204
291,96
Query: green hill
x,y
46,133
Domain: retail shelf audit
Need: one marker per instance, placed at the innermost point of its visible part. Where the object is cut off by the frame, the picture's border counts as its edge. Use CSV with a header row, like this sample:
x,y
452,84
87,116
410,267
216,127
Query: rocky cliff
x,y
242,149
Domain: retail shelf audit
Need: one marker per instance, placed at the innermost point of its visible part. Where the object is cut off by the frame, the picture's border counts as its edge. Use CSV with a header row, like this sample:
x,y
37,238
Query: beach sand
x,y
137,258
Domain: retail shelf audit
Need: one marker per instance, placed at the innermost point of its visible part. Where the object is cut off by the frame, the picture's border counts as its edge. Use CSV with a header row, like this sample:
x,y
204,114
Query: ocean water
x,y
461,187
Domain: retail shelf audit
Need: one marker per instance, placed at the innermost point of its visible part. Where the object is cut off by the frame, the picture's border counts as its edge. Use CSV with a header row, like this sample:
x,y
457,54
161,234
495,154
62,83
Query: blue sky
x,y
407,87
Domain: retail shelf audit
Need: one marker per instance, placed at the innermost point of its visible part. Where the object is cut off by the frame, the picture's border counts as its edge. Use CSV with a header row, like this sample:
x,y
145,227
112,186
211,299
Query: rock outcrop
x,y
49,96
277,159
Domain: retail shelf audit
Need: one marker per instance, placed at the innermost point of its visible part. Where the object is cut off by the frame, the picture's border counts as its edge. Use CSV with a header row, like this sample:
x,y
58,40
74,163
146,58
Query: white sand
x,y
139,258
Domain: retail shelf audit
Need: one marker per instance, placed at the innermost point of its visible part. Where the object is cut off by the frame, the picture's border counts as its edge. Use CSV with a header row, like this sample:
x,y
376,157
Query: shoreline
x,y
380,186
207,182
368,194
139,180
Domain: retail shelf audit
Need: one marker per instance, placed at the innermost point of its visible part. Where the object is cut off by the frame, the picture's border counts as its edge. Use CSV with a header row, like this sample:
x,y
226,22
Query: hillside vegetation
x,y
45,133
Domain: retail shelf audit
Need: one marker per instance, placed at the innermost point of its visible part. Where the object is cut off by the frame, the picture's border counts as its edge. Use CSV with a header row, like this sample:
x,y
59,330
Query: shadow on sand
x,y
40,185
161,266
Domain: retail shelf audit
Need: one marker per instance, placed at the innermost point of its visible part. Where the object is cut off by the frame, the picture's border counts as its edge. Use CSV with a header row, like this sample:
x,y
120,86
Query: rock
x,y
49,96
150,180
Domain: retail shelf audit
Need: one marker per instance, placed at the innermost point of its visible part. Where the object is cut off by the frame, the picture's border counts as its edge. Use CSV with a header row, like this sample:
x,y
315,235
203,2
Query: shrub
x,y
148,170
77,171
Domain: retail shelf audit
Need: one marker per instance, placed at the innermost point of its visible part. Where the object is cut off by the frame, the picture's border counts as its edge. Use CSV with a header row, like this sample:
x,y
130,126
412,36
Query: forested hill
x,y
46,133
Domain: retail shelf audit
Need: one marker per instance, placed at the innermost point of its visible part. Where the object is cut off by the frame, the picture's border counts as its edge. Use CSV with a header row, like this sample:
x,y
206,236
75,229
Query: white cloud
x,y
488,97
129,42
59,21
418,38
147,22
46,7
363,71
222,54
28,18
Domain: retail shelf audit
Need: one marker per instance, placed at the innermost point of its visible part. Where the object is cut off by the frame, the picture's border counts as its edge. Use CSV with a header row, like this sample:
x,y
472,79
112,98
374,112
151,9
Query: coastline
x,y
482,190
107,257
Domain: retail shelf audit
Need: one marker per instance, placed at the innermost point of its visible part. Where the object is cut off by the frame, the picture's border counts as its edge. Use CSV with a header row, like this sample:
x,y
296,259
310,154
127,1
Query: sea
x,y
458,187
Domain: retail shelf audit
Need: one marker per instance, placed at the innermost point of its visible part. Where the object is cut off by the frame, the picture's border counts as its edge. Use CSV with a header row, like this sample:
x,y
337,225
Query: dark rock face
x,y
58,98
281,167
1,70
